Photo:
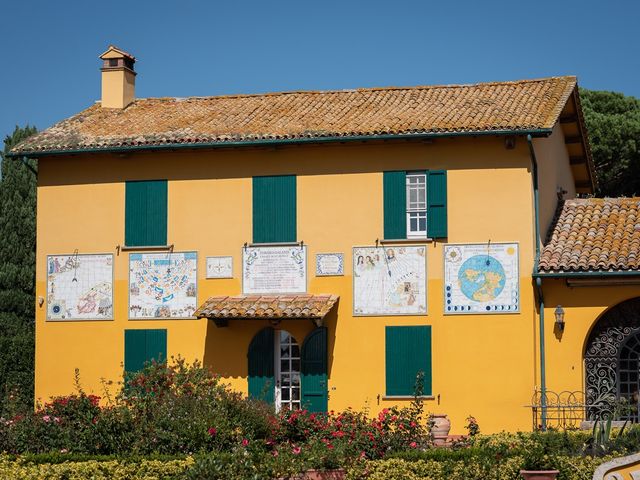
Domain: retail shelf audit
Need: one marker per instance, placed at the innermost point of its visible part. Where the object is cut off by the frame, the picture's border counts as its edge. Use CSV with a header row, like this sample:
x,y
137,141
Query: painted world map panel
x,y
162,285
80,287
389,280
481,278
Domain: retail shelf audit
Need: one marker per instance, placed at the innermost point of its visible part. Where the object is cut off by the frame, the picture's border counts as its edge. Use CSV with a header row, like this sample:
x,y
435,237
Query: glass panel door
x,y
287,367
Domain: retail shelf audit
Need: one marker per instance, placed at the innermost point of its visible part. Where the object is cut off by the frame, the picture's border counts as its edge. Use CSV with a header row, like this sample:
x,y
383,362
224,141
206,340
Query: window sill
x,y
129,248
407,397
406,240
275,244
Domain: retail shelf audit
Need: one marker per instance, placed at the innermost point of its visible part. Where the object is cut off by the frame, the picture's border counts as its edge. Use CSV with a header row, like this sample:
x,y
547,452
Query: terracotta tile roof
x,y
267,306
485,107
594,234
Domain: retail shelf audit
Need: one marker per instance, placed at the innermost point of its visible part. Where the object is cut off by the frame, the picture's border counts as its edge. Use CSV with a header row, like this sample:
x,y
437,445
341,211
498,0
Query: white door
x,y
287,371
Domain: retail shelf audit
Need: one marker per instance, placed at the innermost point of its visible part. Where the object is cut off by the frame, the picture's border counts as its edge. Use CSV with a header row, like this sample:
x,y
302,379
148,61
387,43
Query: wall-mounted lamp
x,y
559,313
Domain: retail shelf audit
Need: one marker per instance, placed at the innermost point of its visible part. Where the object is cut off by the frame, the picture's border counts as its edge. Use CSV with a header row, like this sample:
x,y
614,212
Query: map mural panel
x,y
389,280
80,287
482,278
162,285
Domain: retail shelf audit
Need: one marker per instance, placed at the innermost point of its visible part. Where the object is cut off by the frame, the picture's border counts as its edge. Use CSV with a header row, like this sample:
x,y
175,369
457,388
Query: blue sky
x,y
196,47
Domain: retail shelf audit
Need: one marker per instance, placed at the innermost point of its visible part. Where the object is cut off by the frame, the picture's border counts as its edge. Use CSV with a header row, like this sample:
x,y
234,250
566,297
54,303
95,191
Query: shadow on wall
x,y
327,159
226,348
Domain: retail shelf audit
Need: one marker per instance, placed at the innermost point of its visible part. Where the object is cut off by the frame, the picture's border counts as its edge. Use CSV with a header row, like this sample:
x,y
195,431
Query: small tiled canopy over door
x,y
146,213
408,352
261,361
143,346
274,209
314,371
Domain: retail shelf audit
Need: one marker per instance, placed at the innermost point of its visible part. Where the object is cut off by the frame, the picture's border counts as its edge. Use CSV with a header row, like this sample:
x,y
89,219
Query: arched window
x,y
287,371
628,372
287,375
611,362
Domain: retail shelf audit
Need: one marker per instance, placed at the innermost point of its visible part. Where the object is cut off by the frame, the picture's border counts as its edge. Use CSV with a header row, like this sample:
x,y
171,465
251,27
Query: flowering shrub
x,y
180,408
351,434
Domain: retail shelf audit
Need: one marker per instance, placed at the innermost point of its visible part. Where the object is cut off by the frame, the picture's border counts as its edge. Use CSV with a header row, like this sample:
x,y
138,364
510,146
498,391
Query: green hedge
x,y
571,468
23,469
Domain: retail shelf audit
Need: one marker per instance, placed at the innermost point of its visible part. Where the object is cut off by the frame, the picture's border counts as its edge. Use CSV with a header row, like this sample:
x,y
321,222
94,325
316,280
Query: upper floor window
x,y
416,204
145,213
274,209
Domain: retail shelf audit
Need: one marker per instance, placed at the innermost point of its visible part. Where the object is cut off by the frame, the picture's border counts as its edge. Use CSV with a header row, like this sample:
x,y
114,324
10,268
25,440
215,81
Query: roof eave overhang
x,y
588,274
274,320
539,132
572,115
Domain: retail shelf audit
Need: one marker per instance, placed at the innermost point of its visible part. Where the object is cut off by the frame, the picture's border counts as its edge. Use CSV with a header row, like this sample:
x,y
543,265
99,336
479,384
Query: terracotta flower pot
x,y
539,474
440,428
337,474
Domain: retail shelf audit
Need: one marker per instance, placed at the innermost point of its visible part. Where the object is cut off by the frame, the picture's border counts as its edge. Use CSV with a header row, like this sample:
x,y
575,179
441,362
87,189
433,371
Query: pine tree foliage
x,y
613,123
17,275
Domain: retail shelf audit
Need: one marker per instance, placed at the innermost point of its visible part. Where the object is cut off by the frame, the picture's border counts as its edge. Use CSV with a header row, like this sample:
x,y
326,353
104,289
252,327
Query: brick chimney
x,y
118,78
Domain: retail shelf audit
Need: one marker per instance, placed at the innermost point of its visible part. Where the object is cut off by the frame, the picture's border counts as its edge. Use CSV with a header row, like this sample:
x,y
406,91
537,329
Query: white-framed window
x,y
287,371
416,204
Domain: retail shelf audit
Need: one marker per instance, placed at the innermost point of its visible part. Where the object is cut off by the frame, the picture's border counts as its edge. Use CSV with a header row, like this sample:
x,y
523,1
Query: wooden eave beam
x,y
577,160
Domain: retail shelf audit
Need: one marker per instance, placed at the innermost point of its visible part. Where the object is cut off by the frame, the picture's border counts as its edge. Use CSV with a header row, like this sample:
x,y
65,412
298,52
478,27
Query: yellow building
x,y
322,249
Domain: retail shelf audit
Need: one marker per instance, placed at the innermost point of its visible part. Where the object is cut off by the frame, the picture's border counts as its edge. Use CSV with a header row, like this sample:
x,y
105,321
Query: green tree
x,y
17,275
613,123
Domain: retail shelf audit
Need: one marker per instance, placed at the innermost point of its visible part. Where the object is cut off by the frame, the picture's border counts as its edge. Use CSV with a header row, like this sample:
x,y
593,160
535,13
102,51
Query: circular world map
x,y
481,278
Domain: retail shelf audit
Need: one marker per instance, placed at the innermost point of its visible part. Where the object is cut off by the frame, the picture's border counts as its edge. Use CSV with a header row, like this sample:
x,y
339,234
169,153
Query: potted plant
x,y
538,465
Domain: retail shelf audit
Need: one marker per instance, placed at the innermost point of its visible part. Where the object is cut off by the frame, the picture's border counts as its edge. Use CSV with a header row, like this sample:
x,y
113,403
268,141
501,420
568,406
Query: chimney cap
x,y
115,52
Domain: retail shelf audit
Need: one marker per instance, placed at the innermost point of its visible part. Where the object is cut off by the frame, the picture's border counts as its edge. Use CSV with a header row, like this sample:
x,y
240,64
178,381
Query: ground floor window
x,y
143,346
408,360
286,374
612,364
287,367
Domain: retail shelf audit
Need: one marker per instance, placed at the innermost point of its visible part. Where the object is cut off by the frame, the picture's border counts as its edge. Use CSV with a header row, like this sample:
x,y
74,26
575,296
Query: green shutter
x,y
146,213
395,205
274,209
142,346
407,352
134,350
157,345
437,204
261,376
314,371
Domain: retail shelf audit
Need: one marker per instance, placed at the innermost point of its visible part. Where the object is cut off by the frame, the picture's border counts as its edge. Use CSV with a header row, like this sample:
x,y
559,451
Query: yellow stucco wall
x,y
555,172
483,365
118,88
584,306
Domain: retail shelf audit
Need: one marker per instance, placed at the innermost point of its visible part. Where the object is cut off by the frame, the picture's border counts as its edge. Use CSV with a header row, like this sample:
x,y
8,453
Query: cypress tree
x,y
17,276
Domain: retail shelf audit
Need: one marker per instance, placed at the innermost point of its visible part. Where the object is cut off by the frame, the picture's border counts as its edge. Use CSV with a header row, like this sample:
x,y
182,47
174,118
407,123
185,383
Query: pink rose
x,y
296,450
245,442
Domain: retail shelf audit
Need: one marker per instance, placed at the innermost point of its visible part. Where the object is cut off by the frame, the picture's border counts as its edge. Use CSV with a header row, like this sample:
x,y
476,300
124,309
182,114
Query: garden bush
x,y
184,410
22,469
475,468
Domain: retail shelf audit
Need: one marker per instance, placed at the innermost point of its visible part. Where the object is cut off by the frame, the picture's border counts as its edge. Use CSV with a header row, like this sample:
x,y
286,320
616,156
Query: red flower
x,y
413,444
245,442
296,450
212,431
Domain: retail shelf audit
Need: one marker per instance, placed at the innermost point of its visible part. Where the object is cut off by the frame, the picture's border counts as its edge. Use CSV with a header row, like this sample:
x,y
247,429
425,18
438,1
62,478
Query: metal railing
x,y
564,411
